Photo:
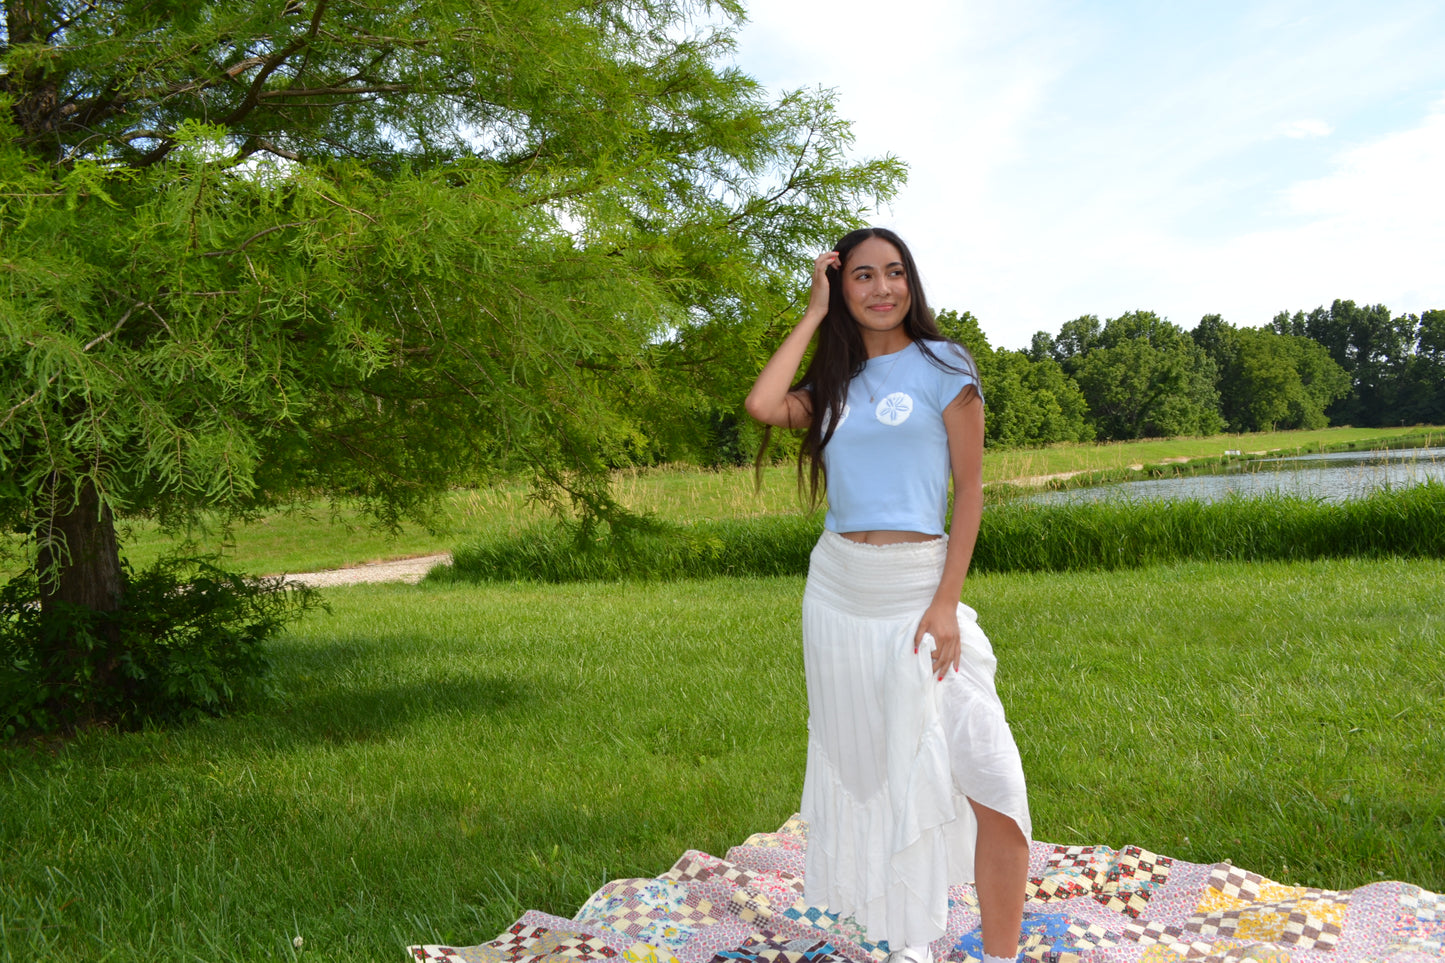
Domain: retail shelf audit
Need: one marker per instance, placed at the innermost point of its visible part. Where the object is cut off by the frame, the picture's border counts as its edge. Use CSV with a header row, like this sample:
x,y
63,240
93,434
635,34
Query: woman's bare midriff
x,y
885,537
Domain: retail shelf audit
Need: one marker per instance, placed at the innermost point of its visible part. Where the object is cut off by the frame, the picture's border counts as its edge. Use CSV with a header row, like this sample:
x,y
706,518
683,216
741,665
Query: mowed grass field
x,y
442,758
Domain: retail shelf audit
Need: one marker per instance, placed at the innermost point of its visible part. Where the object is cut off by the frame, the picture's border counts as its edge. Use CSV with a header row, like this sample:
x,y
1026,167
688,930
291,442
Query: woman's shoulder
x,y
951,369
948,355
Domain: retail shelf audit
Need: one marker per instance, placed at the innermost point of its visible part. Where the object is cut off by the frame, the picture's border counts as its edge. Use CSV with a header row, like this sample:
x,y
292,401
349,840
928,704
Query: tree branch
x,y
327,91
260,143
87,6
256,237
273,62
123,319
241,66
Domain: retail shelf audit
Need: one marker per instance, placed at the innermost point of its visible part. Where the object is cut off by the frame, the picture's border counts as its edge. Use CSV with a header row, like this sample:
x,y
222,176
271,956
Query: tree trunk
x,y
79,557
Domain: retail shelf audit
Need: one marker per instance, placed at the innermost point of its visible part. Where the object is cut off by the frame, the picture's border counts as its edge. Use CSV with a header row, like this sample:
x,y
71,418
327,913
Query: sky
x,y
1091,157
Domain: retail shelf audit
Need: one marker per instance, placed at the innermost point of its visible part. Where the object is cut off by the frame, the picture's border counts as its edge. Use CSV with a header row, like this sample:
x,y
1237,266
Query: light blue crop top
x,y
887,464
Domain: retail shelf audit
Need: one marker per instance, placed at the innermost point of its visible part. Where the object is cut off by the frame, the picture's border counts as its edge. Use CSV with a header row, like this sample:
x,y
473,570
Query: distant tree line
x,y
1140,376
1396,365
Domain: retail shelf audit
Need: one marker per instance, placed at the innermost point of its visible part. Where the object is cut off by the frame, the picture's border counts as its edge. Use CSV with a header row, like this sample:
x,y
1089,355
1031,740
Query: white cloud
x,y
1393,182
1371,230
1306,128
1082,156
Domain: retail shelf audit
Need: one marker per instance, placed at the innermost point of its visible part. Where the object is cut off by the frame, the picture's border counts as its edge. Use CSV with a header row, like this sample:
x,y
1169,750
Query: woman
x,y
913,779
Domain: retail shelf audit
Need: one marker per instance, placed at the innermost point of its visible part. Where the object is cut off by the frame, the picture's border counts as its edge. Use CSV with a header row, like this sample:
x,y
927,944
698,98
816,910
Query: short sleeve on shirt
x,y
958,375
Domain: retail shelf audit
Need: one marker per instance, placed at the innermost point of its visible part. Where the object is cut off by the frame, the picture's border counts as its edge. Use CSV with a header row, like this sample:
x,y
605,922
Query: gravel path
x,y
403,570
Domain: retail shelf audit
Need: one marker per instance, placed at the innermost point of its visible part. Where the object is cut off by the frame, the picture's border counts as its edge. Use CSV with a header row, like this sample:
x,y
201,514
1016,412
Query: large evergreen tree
x,y
256,251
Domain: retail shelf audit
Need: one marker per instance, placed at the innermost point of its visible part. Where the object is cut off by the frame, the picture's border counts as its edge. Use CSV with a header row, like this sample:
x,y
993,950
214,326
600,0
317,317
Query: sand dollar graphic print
x,y
894,409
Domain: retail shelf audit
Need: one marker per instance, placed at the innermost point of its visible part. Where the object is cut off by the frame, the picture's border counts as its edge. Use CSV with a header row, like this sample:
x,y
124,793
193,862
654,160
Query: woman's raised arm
x,y
770,401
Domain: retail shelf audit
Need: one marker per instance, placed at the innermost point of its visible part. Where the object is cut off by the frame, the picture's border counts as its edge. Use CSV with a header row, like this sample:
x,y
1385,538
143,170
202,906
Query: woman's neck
x,y
878,343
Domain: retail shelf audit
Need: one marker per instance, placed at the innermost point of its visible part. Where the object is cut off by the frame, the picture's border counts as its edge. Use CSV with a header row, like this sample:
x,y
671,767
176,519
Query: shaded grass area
x,y
1014,537
315,537
447,757
442,761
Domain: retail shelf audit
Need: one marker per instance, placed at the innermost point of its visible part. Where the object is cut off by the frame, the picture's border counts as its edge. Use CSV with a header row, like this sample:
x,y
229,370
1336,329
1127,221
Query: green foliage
x,y
188,639
259,252
1143,377
1015,536
1076,338
1377,351
1345,364
1028,401
1421,397
1321,384
1035,403
763,546
1270,380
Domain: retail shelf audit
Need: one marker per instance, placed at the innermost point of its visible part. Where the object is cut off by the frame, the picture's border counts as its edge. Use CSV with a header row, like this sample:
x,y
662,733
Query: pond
x,y
1335,477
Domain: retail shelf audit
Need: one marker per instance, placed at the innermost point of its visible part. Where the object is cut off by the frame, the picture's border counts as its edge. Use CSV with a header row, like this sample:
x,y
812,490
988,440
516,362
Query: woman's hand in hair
x,y
941,622
818,296
771,401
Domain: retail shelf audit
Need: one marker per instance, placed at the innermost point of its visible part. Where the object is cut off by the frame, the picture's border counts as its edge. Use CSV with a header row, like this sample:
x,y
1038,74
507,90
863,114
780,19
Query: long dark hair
x,y
839,355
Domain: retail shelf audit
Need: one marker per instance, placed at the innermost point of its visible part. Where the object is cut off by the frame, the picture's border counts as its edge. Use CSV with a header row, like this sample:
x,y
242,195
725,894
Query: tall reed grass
x,y
1015,537
1021,537
762,546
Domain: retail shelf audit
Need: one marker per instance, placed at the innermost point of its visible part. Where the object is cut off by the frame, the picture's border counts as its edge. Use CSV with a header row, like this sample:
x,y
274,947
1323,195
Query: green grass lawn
x,y
443,758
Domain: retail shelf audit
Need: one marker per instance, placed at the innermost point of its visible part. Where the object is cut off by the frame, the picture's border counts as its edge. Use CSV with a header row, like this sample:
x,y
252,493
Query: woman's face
x,y
875,285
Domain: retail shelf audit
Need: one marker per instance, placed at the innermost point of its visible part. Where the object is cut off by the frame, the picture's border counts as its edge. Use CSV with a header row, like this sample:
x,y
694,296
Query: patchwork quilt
x,y
1086,904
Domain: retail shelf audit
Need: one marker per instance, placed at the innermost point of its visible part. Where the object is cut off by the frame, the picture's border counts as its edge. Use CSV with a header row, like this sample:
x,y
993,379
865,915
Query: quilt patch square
x,y
838,927
1136,863
1120,880
1151,932
1051,936
573,947
1419,924
752,907
1422,904
647,953
1234,883
1130,902
436,954
1060,885
768,948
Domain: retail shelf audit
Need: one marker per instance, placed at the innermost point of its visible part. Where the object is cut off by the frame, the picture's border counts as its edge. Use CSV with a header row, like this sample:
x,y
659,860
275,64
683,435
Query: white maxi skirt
x,y
894,755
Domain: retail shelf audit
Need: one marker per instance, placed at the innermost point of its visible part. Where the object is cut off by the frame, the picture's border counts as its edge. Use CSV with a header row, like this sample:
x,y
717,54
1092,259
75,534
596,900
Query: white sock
x,y
997,959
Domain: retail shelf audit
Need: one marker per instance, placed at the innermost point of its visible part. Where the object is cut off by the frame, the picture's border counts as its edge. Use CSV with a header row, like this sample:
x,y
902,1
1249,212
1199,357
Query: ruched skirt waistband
x,y
875,581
